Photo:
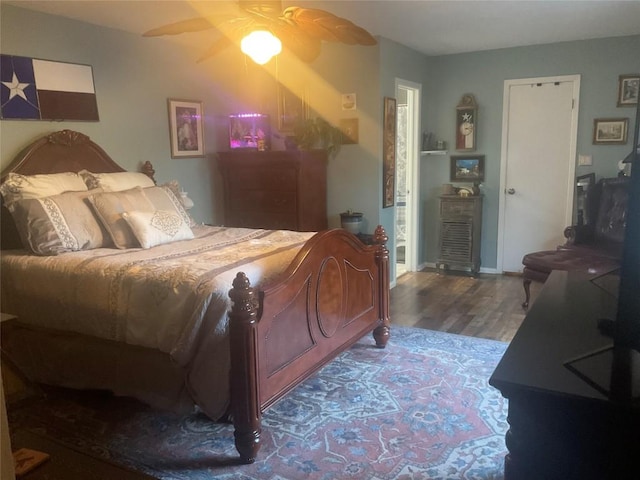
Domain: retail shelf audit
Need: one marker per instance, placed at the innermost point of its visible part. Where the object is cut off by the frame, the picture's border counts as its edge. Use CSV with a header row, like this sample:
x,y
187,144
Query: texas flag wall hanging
x,y
34,89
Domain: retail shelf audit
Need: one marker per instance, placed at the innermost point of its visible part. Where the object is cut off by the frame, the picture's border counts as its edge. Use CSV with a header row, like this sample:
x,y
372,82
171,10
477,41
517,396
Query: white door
x,y
539,135
407,175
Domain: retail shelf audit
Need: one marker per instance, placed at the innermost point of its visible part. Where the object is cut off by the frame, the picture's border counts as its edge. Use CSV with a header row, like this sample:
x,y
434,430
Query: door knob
x,y
511,191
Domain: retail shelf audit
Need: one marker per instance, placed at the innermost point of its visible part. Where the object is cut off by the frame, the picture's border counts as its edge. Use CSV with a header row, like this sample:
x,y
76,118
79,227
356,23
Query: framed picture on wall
x,y
389,152
628,90
185,128
349,129
467,168
610,131
292,108
348,101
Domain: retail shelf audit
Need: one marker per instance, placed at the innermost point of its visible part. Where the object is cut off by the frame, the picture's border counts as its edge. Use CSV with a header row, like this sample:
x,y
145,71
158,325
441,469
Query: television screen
x,y
250,131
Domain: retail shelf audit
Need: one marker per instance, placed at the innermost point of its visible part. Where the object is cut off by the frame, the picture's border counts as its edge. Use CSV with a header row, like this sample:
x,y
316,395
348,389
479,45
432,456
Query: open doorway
x,y
407,154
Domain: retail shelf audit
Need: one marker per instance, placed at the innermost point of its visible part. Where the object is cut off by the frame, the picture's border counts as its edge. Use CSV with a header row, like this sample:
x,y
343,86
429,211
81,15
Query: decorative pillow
x,y
109,207
163,198
157,228
17,187
116,182
181,195
57,224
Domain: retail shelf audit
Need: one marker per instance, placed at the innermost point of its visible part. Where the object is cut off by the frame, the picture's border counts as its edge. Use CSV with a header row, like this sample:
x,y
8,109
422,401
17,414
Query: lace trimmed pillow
x,y
185,201
17,186
158,227
163,198
58,224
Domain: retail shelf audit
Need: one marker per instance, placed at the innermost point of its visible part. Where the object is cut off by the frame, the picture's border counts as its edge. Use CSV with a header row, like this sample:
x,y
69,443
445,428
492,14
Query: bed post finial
x,y
382,332
245,398
147,169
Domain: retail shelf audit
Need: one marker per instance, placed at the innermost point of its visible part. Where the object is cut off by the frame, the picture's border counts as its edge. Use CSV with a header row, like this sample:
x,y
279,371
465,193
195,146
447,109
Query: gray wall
x,y
133,79
598,62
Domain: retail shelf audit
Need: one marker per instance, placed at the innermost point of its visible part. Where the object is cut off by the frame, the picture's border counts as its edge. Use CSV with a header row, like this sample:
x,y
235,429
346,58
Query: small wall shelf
x,y
434,152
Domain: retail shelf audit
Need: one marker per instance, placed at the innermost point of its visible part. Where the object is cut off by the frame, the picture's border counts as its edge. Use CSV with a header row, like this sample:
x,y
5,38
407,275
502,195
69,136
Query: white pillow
x,y
158,227
19,187
116,182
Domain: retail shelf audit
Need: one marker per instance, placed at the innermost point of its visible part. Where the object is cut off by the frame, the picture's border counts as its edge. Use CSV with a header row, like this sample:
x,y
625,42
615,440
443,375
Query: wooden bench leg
x,y
526,283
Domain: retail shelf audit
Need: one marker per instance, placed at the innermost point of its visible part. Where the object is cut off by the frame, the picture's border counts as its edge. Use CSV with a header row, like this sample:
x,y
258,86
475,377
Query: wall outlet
x,y
585,160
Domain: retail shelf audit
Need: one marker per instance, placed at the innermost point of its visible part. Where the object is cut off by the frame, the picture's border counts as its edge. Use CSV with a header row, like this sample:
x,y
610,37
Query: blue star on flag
x,y
18,95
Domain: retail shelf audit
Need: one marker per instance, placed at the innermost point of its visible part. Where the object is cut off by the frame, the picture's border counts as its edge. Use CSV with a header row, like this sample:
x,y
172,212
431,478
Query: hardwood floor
x,y
488,306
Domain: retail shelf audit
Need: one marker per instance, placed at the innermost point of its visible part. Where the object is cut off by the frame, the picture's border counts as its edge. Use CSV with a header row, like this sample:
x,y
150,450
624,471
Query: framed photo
x,y
389,152
586,180
348,101
349,129
610,131
292,108
185,128
466,123
628,90
467,168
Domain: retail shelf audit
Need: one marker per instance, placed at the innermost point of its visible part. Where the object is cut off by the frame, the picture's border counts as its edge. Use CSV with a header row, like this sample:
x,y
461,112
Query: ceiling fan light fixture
x,y
261,46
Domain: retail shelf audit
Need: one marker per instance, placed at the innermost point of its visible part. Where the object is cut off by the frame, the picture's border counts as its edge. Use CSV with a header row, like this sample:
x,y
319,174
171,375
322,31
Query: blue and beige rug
x,y
420,409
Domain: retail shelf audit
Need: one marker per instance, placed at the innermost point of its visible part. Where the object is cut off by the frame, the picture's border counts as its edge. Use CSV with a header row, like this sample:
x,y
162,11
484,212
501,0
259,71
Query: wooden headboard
x,y
62,151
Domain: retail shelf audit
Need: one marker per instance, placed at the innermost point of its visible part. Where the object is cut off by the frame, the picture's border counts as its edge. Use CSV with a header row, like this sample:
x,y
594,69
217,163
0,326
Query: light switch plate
x,y
585,160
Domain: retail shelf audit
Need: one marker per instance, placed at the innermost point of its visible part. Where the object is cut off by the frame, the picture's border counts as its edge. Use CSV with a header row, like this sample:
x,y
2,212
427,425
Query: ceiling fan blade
x,y
327,26
231,33
262,8
191,25
305,19
219,45
303,46
361,36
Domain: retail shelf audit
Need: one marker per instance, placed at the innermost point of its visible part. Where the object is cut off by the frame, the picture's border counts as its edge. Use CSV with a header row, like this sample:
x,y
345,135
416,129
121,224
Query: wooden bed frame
x,y
334,292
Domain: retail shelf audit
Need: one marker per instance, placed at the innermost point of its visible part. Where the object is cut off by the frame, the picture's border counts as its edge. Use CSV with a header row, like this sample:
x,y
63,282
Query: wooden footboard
x,y
334,292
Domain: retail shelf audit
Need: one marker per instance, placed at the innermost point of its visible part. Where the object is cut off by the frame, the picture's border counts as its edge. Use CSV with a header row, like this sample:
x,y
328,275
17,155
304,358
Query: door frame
x,y
571,158
413,173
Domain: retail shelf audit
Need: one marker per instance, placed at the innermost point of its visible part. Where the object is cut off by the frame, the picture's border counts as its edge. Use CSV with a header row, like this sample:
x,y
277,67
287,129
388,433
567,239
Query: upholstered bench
x,y
596,247
538,265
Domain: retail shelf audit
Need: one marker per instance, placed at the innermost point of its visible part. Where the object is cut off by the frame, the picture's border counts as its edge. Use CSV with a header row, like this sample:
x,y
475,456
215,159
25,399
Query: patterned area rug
x,y
420,409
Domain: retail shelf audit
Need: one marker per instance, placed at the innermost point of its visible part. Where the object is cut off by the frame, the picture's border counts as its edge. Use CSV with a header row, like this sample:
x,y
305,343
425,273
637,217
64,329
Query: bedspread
x,y
173,297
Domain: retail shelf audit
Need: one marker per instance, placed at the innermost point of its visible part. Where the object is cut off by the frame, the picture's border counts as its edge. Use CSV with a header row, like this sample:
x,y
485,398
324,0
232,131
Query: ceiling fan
x,y
301,30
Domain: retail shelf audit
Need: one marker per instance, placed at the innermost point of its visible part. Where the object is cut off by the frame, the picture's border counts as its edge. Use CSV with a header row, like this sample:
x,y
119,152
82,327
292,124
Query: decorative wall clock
x,y
466,123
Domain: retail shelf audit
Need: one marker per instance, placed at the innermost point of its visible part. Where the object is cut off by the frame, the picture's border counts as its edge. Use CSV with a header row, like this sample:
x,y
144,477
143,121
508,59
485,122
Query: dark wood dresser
x,y
280,190
564,421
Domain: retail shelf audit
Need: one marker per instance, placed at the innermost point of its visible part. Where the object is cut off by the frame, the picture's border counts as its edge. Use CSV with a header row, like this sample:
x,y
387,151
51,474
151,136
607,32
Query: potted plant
x,y
318,133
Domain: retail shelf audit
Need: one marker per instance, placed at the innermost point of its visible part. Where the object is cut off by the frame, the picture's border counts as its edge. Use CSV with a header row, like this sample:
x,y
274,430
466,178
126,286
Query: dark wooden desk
x,y
561,427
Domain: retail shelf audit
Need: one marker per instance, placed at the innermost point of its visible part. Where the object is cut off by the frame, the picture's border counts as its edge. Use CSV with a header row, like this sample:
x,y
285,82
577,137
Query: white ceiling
x,y
429,26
